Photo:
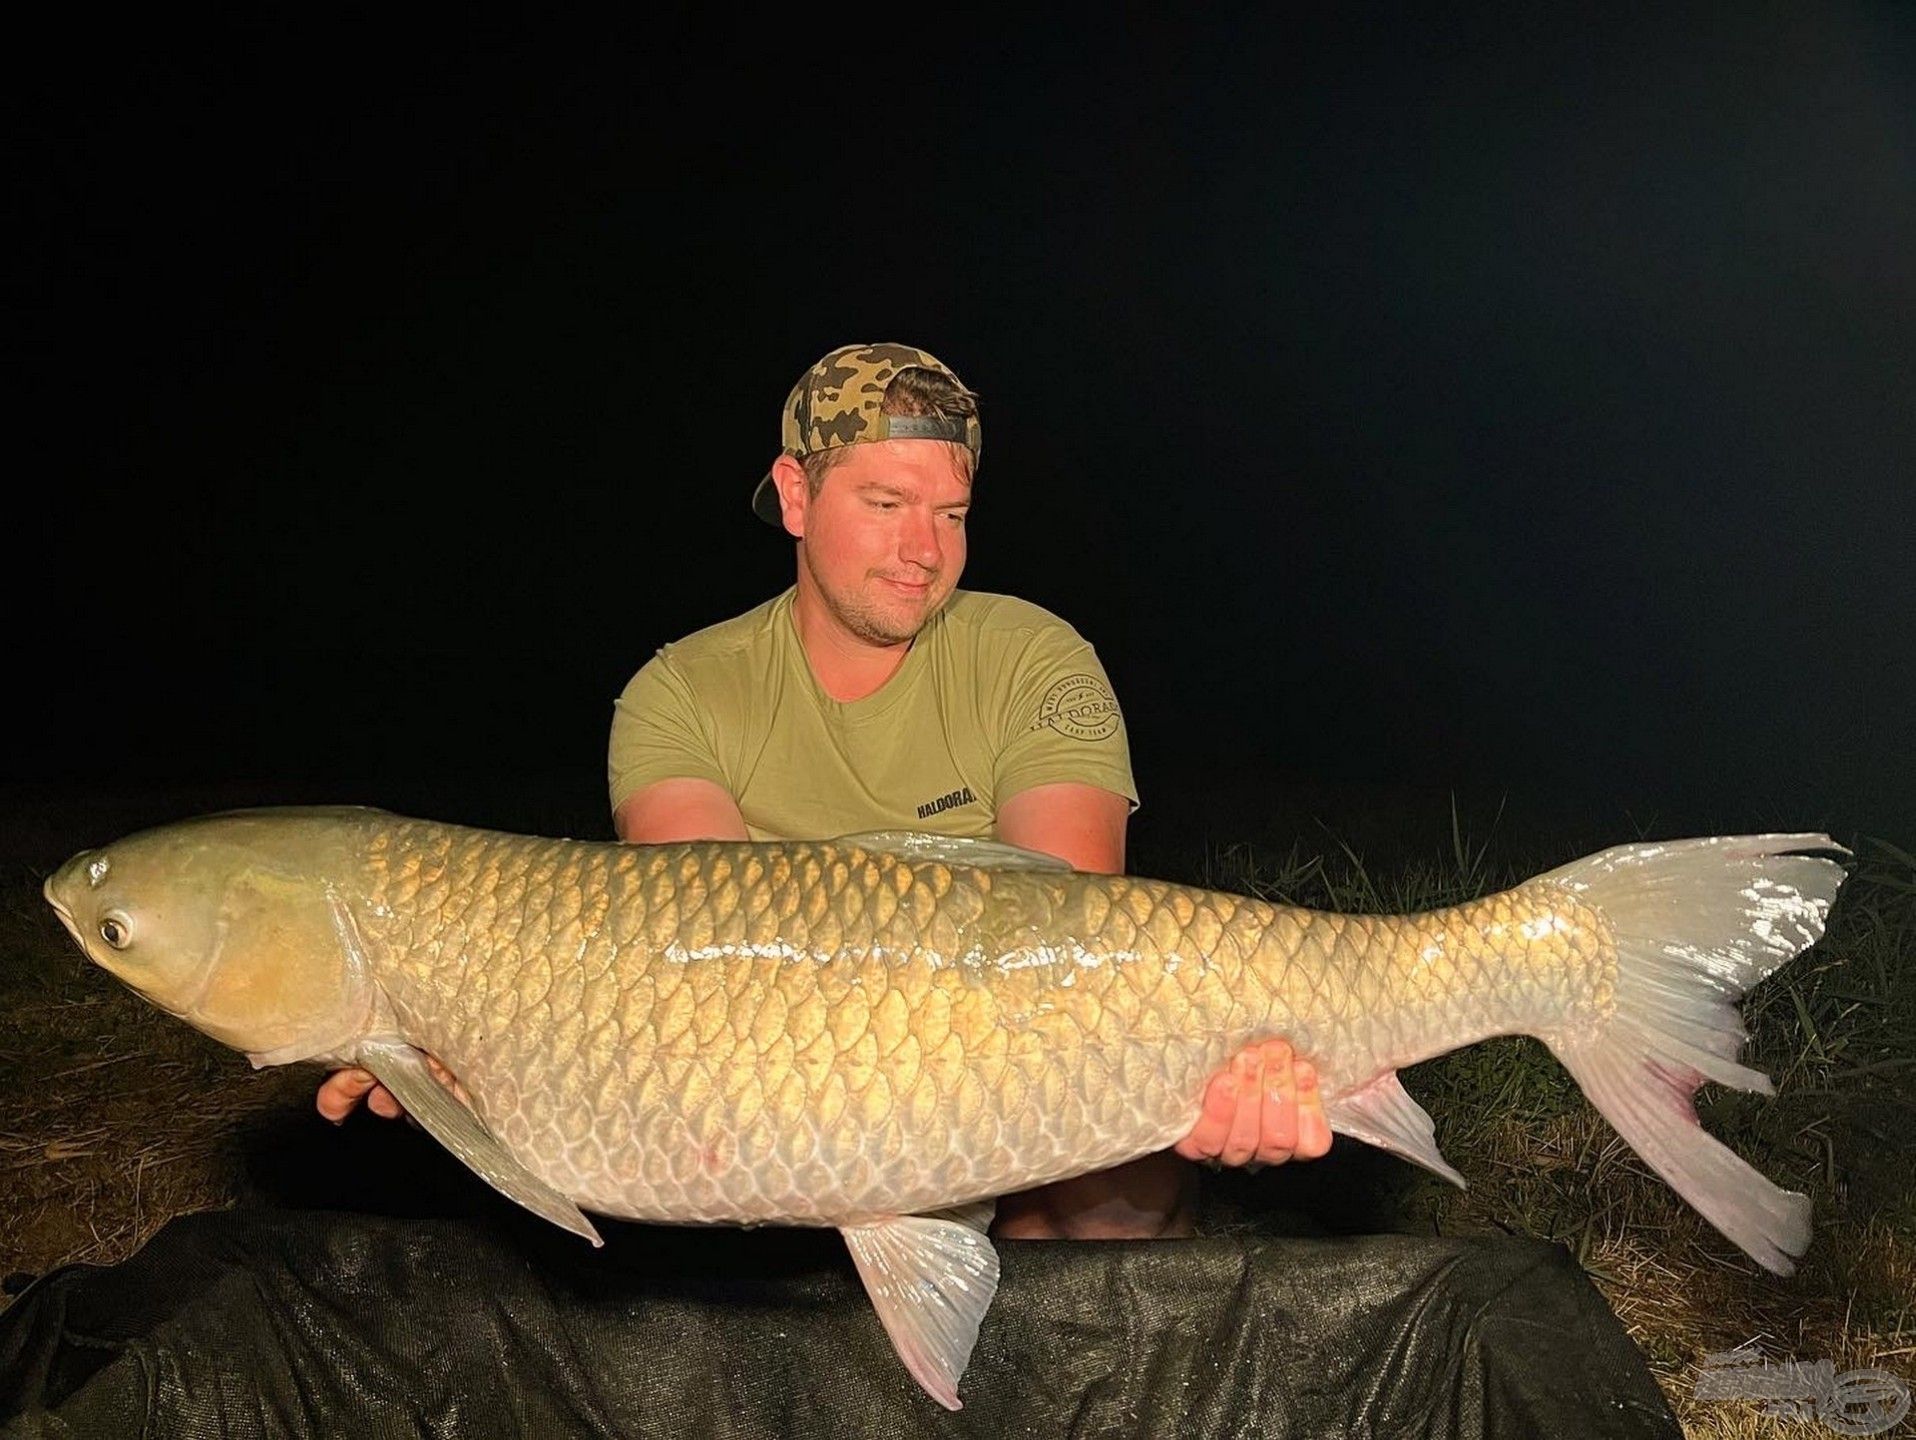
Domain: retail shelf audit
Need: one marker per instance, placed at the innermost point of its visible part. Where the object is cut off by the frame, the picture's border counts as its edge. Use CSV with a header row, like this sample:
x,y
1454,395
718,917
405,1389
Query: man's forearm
x,y
1083,825
679,809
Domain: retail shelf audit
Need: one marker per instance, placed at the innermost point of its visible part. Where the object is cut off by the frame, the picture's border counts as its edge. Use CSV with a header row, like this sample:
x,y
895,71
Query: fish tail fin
x,y
1696,923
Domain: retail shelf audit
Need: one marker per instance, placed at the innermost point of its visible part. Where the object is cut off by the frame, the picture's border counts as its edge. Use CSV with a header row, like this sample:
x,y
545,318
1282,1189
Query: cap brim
x,y
765,502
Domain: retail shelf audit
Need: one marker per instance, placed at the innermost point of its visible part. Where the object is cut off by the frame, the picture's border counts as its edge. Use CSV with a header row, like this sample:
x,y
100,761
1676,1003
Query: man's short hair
x,y
914,390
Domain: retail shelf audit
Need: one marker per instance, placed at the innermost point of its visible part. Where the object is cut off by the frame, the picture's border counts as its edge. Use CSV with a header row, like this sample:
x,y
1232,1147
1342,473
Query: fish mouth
x,y
66,915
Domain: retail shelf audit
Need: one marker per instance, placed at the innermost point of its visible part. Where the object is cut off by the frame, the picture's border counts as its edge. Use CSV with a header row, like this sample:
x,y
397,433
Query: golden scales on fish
x,y
883,1032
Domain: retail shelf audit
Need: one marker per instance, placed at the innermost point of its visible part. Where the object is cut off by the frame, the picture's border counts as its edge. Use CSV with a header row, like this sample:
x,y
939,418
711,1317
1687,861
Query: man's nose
x,y
918,540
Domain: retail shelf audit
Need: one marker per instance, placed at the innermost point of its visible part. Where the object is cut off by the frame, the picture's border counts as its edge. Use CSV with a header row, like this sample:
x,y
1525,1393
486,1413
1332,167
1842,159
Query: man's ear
x,y
788,476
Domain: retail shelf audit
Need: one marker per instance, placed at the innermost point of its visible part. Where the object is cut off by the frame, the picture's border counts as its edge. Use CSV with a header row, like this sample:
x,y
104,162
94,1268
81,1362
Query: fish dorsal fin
x,y
931,1279
402,1070
953,850
1383,1114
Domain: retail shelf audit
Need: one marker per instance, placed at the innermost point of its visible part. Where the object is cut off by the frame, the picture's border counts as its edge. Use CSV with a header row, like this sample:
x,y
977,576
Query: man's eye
x,y
957,517
884,504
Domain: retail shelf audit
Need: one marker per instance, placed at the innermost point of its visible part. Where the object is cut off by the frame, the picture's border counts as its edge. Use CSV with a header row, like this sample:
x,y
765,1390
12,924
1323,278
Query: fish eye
x,y
116,932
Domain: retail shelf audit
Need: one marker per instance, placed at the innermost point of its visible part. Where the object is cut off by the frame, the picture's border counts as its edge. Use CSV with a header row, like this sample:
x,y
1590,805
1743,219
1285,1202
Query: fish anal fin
x,y
403,1070
1381,1113
931,1279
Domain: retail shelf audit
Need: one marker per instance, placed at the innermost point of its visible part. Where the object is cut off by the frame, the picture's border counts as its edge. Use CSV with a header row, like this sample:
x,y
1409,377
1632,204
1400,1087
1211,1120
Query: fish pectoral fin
x,y
952,849
403,1070
931,1279
1382,1113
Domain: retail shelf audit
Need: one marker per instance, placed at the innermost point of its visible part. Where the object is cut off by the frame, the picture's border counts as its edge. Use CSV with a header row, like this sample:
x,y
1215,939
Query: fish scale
x,y
877,1031
1057,1022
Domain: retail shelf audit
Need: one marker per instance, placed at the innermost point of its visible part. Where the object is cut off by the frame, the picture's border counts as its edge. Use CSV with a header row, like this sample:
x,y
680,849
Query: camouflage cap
x,y
836,403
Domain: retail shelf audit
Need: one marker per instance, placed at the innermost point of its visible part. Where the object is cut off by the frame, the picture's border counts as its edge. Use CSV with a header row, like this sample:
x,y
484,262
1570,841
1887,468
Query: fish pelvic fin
x,y
931,1279
403,1070
1696,923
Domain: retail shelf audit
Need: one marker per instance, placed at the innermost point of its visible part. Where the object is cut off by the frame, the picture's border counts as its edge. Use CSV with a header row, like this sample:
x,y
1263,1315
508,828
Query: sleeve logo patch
x,y
1081,707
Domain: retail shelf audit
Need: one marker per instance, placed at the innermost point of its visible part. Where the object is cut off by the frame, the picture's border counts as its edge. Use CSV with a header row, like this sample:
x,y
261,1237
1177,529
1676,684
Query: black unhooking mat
x,y
277,1323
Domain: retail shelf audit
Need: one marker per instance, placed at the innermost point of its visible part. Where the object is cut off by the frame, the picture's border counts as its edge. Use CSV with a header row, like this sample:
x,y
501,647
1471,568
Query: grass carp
x,y
884,1032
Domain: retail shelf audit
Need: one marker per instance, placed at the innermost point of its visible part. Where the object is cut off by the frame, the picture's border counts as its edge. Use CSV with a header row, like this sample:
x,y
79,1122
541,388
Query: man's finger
x,y
381,1102
1277,1131
1247,1070
342,1090
1313,1129
1213,1126
448,1079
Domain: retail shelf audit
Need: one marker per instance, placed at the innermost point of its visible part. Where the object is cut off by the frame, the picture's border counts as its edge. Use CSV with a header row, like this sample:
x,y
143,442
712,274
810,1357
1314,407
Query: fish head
x,y
225,924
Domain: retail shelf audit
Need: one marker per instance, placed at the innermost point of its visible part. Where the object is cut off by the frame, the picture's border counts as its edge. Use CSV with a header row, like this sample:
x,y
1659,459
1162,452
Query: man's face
x,y
884,536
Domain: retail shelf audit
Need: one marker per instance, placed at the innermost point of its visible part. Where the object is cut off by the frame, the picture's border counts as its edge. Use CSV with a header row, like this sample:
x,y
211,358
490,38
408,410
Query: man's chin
x,y
896,630
897,620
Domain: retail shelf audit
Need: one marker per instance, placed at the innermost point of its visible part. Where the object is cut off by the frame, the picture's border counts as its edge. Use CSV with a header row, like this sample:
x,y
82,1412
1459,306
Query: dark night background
x,y
1511,407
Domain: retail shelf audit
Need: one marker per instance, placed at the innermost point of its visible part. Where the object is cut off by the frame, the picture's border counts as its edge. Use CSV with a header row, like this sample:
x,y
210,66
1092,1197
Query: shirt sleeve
x,y
1061,721
659,732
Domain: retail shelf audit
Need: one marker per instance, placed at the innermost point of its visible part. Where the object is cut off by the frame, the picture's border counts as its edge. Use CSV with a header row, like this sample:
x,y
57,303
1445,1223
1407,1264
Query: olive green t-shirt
x,y
995,695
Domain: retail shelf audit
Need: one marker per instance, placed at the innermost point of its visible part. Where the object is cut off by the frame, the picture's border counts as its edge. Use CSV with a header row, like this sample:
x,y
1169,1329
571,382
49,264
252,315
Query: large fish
x,y
883,1032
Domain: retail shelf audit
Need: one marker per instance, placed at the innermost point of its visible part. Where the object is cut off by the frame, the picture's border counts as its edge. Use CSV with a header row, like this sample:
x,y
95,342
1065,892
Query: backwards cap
x,y
836,403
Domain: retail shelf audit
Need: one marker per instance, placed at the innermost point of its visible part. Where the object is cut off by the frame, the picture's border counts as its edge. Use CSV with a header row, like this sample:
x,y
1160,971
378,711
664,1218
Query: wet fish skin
x,y
849,1032
811,1032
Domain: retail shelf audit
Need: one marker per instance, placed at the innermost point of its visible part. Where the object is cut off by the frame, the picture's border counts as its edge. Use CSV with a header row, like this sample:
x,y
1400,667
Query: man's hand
x,y
1264,1107
344,1089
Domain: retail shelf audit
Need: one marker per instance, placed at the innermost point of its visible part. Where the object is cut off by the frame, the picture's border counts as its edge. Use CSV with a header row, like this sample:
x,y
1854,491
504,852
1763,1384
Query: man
x,y
875,695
